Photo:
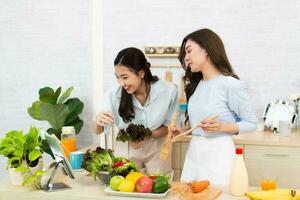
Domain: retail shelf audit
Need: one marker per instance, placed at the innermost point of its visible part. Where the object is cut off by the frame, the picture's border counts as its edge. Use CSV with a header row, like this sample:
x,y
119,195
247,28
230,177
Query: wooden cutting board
x,y
210,193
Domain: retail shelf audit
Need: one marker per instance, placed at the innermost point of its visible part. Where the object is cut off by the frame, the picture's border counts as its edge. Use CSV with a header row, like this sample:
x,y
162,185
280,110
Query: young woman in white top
x,y
141,98
211,88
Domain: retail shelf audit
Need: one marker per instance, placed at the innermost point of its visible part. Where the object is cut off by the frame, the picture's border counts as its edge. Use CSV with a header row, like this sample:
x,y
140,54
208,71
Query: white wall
x,y
261,37
44,43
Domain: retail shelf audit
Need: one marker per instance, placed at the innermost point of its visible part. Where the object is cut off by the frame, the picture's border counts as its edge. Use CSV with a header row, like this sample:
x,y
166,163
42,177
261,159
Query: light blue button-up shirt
x,y
157,111
225,96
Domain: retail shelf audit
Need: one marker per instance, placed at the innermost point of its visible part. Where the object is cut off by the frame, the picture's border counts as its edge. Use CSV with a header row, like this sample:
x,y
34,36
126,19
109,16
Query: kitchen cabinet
x,y
265,154
283,163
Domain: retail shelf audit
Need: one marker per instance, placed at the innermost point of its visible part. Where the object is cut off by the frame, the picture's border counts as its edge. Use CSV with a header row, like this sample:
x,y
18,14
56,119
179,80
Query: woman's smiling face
x,y
128,79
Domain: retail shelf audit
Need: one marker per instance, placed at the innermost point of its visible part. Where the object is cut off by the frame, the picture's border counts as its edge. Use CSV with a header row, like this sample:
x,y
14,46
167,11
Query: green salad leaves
x,y
134,133
104,160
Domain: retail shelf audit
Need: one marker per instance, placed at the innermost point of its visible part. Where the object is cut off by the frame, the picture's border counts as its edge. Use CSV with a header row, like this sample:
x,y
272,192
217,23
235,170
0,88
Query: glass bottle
x,y
239,182
68,139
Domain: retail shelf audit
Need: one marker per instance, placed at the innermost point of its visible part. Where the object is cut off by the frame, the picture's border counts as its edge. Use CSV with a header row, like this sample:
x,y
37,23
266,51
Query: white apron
x,y
147,157
209,159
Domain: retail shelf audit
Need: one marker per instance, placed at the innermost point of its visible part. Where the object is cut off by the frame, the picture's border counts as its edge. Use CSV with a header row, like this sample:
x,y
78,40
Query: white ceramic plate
x,y
109,191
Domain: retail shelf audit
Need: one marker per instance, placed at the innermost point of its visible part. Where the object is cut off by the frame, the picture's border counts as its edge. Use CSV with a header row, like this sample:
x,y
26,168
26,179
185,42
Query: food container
x,y
104,177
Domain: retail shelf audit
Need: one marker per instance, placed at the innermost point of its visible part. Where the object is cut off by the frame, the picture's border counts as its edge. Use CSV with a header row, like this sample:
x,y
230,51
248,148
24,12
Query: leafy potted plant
x,y
24,156
57,110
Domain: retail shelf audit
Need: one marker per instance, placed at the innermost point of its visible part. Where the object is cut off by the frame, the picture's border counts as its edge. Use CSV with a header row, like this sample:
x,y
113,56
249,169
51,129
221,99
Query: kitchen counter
x,y
83,187
263,138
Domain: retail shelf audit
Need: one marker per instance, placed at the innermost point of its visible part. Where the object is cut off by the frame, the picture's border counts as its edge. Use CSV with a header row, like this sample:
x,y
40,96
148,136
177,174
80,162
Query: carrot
x,y
198,186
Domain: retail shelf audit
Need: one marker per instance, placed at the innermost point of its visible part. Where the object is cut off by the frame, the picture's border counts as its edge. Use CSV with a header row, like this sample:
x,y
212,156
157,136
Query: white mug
x,y
285,127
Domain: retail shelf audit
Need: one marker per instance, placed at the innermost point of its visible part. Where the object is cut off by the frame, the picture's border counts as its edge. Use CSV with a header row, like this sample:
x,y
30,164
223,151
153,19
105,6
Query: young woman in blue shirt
x,y
212,87
140,98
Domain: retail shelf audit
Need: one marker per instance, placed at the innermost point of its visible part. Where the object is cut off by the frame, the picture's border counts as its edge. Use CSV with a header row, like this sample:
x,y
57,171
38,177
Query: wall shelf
x,y
162,55
166,66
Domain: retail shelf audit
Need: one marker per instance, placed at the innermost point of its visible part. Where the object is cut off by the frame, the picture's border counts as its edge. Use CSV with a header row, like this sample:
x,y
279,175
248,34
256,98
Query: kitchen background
x,y
50,43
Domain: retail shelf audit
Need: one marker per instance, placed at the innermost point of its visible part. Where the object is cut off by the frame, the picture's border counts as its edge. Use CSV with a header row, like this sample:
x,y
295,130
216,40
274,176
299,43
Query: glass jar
x,y
68,139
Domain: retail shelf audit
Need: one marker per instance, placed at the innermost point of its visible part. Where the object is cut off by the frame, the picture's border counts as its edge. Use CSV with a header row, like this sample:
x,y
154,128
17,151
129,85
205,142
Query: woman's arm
x,y
97,129
160,132
102,119
211,126
239,103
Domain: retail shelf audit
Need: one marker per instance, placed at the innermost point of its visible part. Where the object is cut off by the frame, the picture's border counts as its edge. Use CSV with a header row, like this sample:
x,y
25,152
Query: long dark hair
x,y
212,43
135,60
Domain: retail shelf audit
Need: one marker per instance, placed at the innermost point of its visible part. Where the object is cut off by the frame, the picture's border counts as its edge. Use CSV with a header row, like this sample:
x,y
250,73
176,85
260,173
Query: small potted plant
x,y
24,156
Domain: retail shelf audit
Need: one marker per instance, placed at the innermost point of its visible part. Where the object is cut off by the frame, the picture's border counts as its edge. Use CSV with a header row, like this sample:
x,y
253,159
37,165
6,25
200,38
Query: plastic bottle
x,y
239,183
68,139
182,109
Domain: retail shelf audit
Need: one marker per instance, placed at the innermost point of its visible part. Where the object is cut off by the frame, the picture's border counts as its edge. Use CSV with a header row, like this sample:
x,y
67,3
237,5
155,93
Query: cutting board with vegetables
x,y
209,194
187,192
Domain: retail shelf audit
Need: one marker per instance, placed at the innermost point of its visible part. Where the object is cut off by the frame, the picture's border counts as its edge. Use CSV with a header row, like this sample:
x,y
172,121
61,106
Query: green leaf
x,y
32,139
57,93
18,153
39,173
55,132
77,124
29,180
32,179
55,114
5,143
47,95
15,134
21,168
46,148
35,154
34,111
13,159
34,132
75,107
66,94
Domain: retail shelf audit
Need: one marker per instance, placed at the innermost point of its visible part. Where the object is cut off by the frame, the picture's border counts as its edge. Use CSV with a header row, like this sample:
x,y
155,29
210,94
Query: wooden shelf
x,y
165,66
163,55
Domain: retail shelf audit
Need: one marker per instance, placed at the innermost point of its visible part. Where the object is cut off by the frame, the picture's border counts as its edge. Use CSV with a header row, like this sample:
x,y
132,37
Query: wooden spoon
x,y
164,152
178,137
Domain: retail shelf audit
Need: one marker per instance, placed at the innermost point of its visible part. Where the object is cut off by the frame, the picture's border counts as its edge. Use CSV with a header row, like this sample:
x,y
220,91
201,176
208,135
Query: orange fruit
x,y
268,184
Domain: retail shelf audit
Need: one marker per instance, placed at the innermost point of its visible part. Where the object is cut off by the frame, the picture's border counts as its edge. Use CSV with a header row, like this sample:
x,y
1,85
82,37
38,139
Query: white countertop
x,y
263,138
83,188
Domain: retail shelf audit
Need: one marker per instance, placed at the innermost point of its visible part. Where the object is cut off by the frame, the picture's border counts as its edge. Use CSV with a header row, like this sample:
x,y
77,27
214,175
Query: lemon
x,y
127,186
134,176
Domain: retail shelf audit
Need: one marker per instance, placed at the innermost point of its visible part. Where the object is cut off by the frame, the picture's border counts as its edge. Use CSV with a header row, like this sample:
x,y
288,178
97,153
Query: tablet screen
x,y
57,149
